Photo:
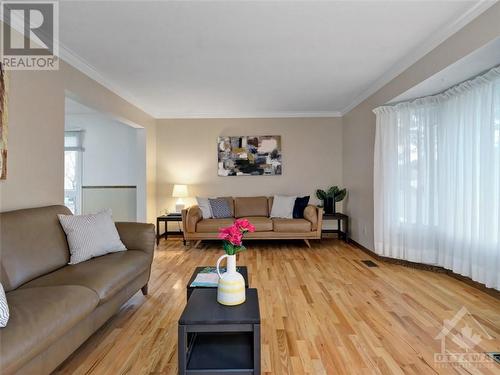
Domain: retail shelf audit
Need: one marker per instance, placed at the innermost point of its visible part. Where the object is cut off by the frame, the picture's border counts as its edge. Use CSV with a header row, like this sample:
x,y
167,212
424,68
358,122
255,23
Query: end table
x,y
166,219
340,218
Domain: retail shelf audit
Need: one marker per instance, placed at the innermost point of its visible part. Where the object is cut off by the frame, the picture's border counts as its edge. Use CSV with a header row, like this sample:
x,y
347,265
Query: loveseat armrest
x,y
137,236
314,214
190,217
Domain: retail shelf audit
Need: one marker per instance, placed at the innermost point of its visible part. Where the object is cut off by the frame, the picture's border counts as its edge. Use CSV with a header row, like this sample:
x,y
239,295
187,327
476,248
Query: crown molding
x,y
444,33
211,115
86,68
398,68
82,65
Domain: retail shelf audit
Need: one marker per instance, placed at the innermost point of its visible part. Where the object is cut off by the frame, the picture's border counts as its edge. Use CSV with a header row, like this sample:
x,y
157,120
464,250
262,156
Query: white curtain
x,y
437,180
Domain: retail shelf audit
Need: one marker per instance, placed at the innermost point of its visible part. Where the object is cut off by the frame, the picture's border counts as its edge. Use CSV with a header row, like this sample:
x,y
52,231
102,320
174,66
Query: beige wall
x,y
316,152
36,128
187,153
359,124
36,134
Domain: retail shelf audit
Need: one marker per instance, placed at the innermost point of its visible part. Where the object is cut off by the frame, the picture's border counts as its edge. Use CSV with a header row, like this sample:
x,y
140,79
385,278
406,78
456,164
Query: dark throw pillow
x,y
299,207
220,208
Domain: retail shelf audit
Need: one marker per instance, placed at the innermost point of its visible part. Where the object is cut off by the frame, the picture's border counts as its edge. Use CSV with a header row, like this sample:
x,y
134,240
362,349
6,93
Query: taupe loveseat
x,y
55,307
257,210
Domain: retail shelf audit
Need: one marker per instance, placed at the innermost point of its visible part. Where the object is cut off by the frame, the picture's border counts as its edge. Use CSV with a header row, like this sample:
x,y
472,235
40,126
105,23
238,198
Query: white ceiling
x,y
255,58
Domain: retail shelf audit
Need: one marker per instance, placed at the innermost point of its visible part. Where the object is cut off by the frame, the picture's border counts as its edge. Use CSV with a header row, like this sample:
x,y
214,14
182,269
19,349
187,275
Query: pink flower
x,y
244,225
224,233
232,234
236,240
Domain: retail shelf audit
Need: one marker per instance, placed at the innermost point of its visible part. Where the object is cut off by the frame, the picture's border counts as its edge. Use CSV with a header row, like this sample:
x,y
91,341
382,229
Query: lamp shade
x,y
180,191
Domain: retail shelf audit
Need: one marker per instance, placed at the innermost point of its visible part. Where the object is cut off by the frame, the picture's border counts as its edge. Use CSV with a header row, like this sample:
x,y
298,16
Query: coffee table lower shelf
x,y
216,353
218,339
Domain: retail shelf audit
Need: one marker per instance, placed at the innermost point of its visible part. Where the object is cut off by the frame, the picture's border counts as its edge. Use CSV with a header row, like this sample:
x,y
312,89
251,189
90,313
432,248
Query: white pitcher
x,y
231,288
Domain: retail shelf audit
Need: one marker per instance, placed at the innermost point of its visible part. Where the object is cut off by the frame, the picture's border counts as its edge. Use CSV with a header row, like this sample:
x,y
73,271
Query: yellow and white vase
x,y
231,288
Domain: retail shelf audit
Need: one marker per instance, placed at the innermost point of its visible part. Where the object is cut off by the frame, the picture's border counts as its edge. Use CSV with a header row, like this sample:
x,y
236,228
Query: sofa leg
x,y
197,243
144,290
307,243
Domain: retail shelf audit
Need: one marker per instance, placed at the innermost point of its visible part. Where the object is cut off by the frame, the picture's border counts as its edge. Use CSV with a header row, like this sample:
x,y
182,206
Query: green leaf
x,y
332,191
240,248
321,194
228,248
231,249
341,194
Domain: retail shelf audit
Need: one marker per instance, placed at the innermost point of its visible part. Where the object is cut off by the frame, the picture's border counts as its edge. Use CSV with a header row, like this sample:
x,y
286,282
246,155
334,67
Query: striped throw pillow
x,y
4,308
91,236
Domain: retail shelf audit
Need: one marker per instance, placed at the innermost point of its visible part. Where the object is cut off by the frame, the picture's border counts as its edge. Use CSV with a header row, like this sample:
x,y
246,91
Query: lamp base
x,y
179,207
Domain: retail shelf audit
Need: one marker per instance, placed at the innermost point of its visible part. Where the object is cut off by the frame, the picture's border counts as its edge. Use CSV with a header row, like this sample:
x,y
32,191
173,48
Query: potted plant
x,y
231,287
330,197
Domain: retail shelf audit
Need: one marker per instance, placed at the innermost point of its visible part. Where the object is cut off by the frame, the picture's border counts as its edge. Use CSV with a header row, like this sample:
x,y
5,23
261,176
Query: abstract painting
x,y
3,123
249,155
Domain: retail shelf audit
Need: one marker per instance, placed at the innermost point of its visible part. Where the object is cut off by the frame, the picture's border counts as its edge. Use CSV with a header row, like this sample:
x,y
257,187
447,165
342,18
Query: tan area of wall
x,y
35,166
36,134
359,123
316,152
187,153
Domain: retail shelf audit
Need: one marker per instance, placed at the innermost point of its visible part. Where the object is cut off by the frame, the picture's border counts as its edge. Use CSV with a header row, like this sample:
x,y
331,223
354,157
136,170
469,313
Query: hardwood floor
x,y
323,312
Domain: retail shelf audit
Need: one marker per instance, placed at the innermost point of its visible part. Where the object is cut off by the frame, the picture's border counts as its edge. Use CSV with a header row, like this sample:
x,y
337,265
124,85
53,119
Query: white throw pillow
x,y
91,235
283,207
204,205
4,308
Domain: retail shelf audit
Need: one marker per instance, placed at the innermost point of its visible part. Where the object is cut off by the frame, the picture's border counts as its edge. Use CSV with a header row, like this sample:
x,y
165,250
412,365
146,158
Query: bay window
x,y
437,179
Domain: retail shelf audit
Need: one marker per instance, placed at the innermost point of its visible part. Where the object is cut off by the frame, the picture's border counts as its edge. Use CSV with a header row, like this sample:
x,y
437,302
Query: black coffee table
x,y
217,339
189,289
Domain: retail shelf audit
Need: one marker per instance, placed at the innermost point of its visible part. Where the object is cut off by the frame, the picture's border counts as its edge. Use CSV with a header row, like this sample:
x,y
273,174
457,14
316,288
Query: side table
x,y
166,219
343,230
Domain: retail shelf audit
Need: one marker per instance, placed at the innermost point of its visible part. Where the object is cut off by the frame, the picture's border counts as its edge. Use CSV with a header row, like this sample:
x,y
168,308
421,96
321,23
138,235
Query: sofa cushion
x,y
33,243
212,225
299,207
39,316
283,207
105,275
261,224
291,225
205,208
4,308
270,201
230,201
250,206
91,235
220,208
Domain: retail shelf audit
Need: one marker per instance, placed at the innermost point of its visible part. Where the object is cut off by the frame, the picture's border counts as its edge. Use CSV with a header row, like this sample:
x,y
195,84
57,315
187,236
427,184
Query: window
x,y
437,179
73,170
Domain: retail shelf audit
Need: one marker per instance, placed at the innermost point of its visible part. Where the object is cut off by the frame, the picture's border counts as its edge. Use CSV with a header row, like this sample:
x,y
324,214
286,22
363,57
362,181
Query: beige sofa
x,y
54,307
257,211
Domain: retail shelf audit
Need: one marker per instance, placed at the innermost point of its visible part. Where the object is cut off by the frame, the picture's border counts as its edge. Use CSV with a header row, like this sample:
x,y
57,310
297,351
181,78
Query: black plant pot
x,y
329,205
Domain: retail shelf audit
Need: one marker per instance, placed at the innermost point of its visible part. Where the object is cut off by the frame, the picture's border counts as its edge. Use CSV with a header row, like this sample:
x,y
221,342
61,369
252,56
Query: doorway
x,y
104,161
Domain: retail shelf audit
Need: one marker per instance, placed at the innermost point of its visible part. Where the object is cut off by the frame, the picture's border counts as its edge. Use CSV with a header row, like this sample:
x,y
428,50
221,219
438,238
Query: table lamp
x,y
180,191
